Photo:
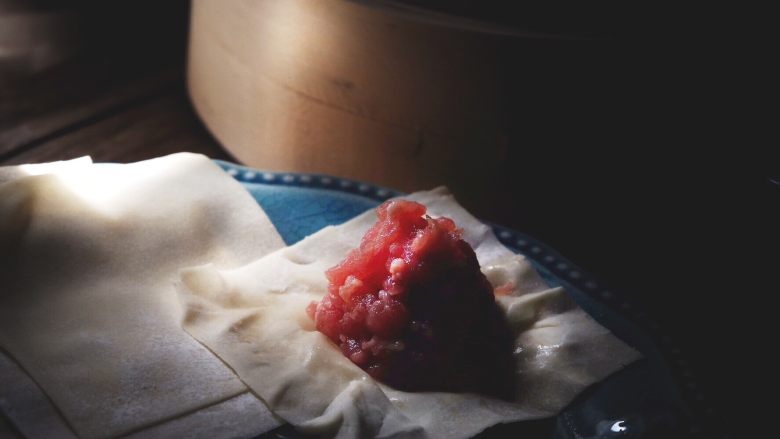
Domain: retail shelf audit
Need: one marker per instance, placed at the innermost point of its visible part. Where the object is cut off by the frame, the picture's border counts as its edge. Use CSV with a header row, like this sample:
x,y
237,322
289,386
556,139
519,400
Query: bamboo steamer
x,y
403,98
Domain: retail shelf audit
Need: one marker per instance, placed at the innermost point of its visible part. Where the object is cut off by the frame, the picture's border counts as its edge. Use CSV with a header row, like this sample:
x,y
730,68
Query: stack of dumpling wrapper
x,y
156,299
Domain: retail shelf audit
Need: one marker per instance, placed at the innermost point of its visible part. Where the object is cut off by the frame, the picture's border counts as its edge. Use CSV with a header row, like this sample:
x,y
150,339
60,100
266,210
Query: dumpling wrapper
x,y
8,173
254,318
89,256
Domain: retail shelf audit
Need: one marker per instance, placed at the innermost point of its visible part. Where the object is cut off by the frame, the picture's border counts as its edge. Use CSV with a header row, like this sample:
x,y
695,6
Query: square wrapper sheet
x,y
254,319
88,260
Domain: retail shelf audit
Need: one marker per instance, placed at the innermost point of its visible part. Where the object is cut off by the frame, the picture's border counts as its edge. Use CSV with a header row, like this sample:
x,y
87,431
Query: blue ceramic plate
x,y
639,401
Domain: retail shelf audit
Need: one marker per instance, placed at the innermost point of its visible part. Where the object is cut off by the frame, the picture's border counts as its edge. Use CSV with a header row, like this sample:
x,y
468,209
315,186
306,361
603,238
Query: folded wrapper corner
x,y
254,319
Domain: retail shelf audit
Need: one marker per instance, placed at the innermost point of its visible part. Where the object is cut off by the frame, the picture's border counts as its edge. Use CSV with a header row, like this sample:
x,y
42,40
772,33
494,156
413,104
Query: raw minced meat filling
x,y
412,308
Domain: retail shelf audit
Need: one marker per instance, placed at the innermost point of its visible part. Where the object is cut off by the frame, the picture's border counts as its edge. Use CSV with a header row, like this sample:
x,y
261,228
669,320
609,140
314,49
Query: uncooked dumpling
x,y
254,318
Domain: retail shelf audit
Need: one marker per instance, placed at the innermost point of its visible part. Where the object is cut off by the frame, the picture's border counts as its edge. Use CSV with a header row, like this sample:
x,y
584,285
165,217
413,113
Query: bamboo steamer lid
x,y
403,98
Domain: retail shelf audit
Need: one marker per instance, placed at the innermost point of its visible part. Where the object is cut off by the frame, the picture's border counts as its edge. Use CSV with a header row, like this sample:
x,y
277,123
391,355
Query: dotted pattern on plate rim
x,y
245,175
516,241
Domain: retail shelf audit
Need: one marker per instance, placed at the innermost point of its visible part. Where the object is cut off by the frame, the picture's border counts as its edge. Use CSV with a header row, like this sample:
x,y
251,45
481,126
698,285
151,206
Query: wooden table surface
x,y
102,109
129,103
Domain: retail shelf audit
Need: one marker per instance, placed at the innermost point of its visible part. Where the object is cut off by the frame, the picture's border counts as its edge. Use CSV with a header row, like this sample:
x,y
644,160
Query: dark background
x,y
619,144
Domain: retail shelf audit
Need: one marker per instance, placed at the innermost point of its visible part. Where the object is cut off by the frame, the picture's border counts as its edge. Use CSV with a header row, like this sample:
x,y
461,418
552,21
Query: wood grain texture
x,y
68,97
162,125
346,89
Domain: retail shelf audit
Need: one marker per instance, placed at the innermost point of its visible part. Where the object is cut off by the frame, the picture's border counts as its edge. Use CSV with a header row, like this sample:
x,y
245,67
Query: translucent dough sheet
x,y
88,260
